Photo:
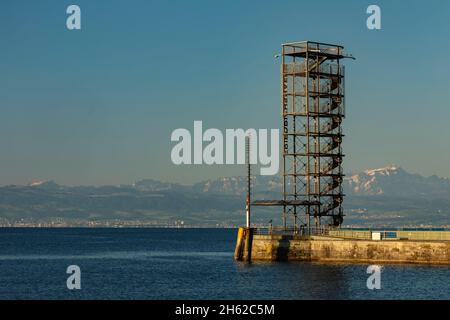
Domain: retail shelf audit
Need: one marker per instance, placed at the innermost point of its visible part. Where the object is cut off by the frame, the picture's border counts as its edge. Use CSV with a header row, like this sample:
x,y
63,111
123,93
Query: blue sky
x,y
97,106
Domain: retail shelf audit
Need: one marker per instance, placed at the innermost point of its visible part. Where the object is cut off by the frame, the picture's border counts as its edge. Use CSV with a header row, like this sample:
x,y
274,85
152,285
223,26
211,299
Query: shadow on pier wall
x,y
282,251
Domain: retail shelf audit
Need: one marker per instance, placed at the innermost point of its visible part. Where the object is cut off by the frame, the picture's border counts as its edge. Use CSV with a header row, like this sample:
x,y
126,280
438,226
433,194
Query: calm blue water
x,y
185,264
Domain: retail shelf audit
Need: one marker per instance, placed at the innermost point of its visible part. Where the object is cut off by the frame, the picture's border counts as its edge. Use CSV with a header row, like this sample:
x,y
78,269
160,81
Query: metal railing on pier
x,y
358,234
292,231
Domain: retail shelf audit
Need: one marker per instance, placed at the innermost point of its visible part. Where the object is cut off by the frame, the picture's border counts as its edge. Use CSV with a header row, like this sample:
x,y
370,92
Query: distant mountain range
x,y
390,181
388,195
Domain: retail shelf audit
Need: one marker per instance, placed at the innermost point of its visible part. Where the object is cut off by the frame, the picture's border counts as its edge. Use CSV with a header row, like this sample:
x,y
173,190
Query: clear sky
x,y
98,105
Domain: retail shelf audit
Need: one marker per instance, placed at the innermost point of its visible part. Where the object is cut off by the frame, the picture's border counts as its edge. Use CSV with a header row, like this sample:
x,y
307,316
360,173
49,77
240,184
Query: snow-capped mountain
x,y
155,185
238,185
44,184
395,181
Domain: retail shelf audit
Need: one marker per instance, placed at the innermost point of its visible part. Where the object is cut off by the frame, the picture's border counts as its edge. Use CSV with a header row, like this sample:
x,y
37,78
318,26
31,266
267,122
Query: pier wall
x,y
279,248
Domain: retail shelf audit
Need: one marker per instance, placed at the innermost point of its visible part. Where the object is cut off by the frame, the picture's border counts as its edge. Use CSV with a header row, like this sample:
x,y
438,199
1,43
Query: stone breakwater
x,y
330,249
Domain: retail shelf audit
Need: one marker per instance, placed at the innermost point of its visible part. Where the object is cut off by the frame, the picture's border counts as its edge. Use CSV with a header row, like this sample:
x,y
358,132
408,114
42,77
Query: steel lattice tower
x,y
313,107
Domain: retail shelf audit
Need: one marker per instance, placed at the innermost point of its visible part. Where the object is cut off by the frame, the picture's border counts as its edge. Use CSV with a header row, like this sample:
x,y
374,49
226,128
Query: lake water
x,y
185,264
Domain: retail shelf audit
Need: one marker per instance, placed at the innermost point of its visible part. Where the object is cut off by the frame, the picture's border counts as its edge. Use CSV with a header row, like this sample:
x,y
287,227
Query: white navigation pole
x,y
247,206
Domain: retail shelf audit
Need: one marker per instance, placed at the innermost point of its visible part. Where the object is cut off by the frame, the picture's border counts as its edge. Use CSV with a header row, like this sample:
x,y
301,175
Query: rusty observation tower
x,y
313,107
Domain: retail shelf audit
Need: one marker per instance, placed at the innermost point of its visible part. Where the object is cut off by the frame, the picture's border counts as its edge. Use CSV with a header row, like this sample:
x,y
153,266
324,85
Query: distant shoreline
x,y
116,227
405,228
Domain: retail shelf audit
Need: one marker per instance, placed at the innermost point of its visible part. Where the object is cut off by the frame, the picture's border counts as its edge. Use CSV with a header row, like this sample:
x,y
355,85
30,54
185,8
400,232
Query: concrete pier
x,y
332,249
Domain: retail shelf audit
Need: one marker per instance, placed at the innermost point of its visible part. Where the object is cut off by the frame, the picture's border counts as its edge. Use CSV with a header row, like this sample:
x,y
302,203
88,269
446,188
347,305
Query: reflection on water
x,y
186,264
297,280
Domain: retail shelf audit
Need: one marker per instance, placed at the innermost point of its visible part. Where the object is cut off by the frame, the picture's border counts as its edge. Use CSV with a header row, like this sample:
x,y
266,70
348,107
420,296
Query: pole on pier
x,y
247,207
